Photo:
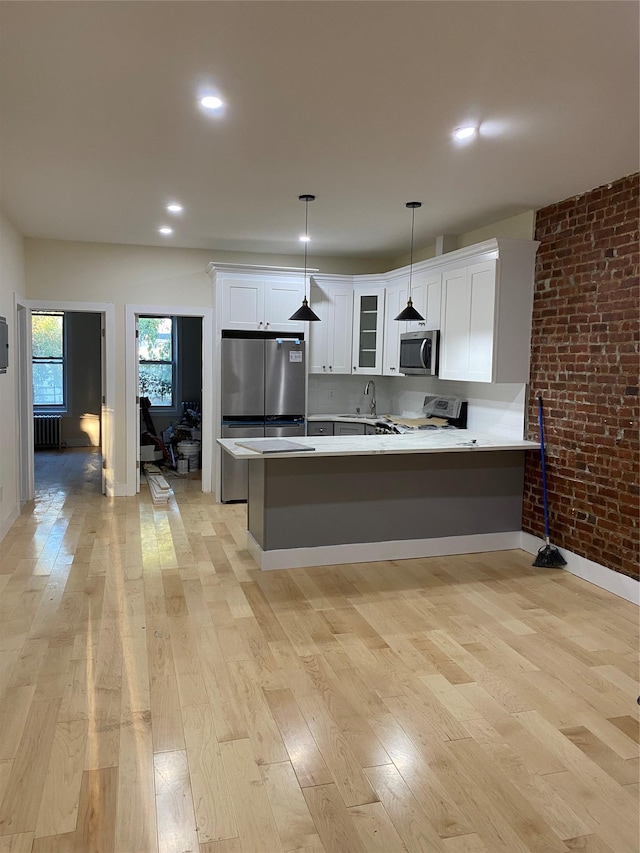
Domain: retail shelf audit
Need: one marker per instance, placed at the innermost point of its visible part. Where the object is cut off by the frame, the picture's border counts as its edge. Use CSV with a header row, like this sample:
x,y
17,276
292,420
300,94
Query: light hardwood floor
x,y
161,695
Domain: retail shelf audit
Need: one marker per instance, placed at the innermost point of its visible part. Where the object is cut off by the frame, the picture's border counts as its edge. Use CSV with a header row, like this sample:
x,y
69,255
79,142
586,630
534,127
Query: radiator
x,y
46,431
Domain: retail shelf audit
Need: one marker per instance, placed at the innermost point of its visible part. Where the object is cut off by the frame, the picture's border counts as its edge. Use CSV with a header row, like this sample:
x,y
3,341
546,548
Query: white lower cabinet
x,y
331,338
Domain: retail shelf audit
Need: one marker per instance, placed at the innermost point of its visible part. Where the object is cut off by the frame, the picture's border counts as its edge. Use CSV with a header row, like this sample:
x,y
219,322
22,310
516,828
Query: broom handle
x,y
544,472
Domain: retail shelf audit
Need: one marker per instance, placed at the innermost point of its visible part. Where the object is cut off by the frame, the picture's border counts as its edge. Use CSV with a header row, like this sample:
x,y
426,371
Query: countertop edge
x,y
371,446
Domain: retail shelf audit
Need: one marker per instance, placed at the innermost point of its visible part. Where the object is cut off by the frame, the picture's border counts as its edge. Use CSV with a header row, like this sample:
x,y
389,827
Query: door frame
x,y
24,411
107,379
132,312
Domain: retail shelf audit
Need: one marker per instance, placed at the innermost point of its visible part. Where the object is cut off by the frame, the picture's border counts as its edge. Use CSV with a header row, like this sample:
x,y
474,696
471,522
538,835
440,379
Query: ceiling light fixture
x,y
462,133
305,313
410,313
165,230
211,102
174,208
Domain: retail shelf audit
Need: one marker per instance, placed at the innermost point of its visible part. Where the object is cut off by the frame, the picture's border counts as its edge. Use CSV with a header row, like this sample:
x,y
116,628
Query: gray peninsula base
x,y
308,502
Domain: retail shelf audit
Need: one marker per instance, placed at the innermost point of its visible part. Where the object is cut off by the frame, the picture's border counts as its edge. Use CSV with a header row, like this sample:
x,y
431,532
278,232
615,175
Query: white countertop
x,y
420,441
358,419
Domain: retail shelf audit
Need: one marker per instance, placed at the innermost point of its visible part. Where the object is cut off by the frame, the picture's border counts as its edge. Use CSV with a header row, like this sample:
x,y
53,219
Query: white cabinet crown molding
x,y
215,267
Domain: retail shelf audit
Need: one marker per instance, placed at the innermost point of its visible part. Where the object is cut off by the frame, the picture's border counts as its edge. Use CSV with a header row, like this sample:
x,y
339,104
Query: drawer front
x,y
348,429
320,428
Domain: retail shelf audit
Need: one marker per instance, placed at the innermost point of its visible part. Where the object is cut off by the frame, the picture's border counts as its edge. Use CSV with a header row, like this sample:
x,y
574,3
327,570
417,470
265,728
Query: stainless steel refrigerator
x,y
263,396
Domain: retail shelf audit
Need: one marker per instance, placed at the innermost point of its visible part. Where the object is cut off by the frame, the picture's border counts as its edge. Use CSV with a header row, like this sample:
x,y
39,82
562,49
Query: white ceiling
x,y
352,101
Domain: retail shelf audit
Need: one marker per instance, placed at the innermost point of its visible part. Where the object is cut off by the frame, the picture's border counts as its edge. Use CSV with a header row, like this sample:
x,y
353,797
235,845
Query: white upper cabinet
x,y
368,329
480,297
259,301
486,313
395,302
468,310
425,294
331,338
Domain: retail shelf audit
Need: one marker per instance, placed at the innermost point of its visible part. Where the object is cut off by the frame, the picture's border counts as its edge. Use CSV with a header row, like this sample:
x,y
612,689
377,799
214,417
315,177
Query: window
x,y
48,353
156,352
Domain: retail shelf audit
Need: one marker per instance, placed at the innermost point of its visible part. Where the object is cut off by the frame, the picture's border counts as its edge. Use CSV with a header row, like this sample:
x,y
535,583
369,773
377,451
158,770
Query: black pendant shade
x,y
410,313
304,313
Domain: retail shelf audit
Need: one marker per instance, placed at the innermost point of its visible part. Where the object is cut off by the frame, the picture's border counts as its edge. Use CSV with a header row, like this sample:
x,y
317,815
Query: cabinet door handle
x,y
266,325
259,323
324,367
330,367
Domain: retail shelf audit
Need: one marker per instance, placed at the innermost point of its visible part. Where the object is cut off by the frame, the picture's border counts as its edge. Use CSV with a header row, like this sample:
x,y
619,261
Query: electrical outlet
x,y
331,392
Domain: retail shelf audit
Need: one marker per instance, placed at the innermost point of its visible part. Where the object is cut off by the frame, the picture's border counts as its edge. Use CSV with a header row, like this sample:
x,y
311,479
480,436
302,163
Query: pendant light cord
x,y
306,241
413,219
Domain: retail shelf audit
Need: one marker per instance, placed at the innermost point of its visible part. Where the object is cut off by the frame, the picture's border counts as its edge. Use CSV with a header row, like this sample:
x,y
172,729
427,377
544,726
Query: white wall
x,y
95,272
12,284
81,422
519,227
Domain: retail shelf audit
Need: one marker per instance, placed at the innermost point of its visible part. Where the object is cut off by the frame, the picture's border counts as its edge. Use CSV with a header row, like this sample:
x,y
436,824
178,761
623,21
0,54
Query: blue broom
x,y
548,556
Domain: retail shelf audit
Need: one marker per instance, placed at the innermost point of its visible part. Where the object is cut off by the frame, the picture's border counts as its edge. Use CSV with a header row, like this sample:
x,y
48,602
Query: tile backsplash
x,y
497,409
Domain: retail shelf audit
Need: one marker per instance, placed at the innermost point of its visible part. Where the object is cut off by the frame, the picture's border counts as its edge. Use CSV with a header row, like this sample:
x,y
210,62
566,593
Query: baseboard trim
x,y
365,552
9,521
615,582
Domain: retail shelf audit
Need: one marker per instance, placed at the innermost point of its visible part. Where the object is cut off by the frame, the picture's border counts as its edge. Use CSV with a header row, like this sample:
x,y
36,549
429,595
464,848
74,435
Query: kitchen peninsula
x,y
383,497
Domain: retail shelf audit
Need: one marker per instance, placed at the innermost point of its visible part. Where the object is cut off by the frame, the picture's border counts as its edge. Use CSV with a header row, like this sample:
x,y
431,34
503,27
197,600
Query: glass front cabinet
x,y
368,324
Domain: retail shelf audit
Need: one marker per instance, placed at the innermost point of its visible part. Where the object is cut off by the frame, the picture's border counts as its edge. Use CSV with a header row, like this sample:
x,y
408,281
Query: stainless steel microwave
x,y
419,353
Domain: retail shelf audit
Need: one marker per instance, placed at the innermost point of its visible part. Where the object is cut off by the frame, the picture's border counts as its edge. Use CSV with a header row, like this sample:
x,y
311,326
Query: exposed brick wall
x,y
584,363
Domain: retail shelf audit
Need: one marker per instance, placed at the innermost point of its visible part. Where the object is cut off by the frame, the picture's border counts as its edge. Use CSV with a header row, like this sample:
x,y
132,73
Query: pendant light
x,y
410,313
305,313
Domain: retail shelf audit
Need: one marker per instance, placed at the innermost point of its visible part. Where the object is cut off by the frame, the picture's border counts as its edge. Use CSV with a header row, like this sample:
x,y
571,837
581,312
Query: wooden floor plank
x,y
256,824
295,824
136,807
213,805
337,831
175,813
21,804
58,811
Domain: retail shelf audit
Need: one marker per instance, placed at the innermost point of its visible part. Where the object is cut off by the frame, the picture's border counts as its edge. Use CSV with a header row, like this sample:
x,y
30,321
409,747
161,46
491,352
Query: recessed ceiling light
x,y
165,230
304,238
174,208
464,132
211,102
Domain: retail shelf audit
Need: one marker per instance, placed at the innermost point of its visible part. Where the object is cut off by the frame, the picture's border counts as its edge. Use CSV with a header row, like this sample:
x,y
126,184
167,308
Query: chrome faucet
x,y
371,385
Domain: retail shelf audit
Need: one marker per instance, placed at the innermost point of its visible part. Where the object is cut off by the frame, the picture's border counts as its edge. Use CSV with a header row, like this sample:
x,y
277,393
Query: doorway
x,y
78,426
67,390
202,320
